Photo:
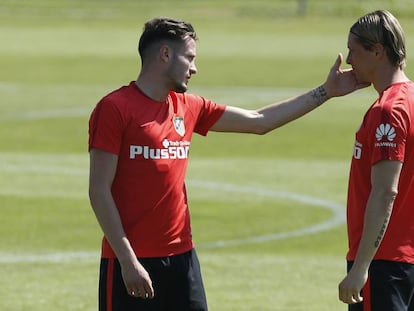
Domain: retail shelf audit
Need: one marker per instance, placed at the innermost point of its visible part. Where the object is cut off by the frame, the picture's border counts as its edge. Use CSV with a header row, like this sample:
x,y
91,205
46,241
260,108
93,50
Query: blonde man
x,y
380,209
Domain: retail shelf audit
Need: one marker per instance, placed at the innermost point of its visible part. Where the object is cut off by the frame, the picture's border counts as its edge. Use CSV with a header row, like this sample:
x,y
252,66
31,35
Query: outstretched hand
x,y
341,81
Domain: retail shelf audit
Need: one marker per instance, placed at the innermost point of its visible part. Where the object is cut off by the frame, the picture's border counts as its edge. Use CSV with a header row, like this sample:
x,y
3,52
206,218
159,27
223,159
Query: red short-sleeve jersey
x,y
152,140
386,133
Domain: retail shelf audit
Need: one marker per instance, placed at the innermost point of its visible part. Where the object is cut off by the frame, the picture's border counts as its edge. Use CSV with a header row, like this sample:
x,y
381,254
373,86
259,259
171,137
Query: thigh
x,y
186,292
356,307
390,287
113,295
176,280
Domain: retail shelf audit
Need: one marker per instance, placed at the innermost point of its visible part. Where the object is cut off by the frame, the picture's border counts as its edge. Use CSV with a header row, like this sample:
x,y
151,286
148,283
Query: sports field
x,y
267,211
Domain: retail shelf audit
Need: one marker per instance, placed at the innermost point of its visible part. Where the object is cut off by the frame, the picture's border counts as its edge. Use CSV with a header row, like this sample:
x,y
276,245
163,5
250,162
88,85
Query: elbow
x,y
392,195
388,196
256,130
262,125
258,125
91,194
99,191
94,194
263,129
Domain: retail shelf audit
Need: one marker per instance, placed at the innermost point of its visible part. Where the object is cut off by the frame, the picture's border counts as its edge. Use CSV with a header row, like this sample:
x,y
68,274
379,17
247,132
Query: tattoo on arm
x,y
319,95
382,231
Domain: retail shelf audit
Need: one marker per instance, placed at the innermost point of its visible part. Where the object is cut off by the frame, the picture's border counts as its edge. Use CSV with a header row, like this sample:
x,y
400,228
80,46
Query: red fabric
x,y
386,133
152,140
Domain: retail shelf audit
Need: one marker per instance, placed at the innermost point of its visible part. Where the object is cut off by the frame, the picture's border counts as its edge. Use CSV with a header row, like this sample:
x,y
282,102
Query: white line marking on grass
x,y
247,95
337,218
7,258
48,114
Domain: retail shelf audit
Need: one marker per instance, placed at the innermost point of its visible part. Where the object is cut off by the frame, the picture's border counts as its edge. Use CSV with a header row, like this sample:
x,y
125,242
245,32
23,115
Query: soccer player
x,y
139,142
380,208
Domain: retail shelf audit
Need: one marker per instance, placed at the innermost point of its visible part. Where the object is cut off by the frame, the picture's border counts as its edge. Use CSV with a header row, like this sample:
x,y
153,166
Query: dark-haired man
x,y
139,141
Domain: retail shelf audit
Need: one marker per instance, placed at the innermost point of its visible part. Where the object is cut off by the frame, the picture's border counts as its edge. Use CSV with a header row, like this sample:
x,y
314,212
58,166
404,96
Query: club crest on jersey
x,y
179,125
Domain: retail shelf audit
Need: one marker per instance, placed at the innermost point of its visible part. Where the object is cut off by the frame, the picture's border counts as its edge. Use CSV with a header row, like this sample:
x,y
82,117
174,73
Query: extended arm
x,y
384,180
102,171
339,82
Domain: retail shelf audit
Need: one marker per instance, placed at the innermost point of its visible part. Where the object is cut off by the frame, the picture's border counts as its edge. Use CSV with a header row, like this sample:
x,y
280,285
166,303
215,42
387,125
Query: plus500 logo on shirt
x,y
171,150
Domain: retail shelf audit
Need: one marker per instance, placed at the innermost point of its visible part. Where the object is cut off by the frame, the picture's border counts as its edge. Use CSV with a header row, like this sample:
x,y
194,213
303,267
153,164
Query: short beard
x,y
180,88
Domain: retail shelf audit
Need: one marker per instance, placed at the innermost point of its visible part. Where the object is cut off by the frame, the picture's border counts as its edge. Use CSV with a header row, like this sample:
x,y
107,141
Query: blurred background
x,y
268,211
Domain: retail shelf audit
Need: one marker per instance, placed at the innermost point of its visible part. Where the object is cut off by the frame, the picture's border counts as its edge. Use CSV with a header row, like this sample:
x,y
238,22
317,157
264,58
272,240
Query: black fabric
x,y
176,280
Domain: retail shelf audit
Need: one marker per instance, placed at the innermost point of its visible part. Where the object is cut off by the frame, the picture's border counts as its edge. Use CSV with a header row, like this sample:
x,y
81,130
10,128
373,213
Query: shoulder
x,y
122,98
120,94
396,97
394,108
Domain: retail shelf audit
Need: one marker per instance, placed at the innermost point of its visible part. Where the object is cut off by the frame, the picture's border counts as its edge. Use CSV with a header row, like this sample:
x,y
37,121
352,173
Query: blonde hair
x,y
382,27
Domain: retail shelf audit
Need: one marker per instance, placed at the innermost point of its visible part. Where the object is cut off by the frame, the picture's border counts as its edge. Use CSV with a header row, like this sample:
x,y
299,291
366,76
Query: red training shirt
x,y
386,133
152,140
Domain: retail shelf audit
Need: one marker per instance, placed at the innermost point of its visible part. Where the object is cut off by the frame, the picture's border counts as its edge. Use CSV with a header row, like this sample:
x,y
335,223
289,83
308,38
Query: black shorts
x,y
390,287
176,281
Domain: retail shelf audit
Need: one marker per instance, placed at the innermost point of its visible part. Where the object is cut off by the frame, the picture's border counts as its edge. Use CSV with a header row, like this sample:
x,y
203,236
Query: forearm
x,y
110,222
276,115
268,118
377,216
384,190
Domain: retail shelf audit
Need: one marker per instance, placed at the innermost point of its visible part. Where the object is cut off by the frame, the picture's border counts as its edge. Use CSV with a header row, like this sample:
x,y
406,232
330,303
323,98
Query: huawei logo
x,y
385,130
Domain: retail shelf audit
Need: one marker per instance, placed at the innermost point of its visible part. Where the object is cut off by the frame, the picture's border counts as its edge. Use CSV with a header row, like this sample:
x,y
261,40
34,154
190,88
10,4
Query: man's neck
x,y
389,77
152,89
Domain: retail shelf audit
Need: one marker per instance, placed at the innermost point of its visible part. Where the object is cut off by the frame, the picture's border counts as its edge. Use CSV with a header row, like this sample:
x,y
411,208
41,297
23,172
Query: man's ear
x,y
165,53
378,49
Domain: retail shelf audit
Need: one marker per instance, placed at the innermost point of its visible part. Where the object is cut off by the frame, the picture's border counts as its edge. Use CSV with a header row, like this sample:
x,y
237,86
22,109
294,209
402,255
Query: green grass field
x,y
267,211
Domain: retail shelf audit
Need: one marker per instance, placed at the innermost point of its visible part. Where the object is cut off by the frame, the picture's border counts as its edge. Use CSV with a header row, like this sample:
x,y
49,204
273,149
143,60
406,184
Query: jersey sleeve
x,y
105,127
388,132
209,113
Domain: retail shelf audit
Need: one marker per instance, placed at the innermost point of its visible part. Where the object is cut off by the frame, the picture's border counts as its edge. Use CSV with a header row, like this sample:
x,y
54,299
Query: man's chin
x,y
361,80
181,88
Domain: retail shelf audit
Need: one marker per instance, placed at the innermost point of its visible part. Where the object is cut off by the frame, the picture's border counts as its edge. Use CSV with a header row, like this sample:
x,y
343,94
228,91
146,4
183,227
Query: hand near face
x,y
341,81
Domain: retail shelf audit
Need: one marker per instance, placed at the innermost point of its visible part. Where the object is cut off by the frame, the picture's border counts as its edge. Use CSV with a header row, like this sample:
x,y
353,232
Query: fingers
x,y
149,291
356,298
145,291
137,281
349,295
338,62
140,294
351,298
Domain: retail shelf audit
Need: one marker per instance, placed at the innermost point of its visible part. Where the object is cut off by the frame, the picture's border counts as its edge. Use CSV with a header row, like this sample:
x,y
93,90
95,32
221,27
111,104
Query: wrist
x,y
319,95
360,267
128,261
124,253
